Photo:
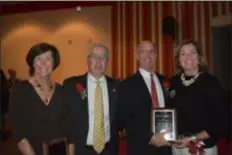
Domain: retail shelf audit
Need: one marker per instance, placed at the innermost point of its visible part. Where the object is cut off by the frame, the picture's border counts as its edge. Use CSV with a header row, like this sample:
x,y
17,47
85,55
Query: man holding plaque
x,y
139,95
92,102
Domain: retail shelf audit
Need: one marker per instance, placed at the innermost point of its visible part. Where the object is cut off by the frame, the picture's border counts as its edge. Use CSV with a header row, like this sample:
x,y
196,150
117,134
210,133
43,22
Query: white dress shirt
x,y
91,84
147,78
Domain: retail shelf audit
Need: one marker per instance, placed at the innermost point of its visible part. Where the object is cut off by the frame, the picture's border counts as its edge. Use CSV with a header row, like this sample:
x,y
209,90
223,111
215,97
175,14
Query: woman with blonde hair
x,y
196,95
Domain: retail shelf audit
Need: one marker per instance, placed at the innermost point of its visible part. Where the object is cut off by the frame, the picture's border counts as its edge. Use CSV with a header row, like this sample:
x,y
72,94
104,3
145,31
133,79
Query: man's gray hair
x,y
100,46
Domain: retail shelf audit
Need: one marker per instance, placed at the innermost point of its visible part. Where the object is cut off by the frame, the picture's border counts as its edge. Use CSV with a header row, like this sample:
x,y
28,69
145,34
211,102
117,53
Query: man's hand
x,y
158,140
182,143
25,147
71,149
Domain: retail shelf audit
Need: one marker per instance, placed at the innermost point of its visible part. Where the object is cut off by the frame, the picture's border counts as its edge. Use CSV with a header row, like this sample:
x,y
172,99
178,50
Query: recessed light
x,y
78,8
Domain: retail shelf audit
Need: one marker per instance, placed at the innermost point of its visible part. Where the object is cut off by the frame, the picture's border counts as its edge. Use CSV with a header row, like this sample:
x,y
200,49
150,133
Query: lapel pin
x,y
173,93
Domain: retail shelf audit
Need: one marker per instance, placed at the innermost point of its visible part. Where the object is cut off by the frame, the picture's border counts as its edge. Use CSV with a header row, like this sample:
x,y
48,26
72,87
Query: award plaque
x,y
57,146
164,121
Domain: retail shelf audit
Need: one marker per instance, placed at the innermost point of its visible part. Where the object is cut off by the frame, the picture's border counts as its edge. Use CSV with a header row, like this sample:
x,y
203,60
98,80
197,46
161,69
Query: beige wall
x,y
70,31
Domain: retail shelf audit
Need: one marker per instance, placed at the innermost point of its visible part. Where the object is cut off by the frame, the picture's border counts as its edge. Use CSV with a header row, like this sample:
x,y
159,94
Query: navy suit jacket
x,y
134,114
79,117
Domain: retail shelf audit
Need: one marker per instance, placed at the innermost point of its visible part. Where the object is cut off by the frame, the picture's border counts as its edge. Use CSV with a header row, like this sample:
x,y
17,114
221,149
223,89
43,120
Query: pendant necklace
x,y
42,90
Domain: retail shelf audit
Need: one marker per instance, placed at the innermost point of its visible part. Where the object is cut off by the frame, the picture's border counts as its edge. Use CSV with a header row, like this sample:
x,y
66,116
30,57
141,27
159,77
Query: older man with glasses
x,y
92,102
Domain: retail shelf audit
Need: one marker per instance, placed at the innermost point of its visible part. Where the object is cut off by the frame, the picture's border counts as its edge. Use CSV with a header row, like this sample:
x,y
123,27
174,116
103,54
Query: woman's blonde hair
x,y
201,60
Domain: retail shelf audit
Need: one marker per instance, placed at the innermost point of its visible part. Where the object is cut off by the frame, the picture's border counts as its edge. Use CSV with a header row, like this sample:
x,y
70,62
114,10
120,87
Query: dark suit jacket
x,y
79,120
4,94
134,114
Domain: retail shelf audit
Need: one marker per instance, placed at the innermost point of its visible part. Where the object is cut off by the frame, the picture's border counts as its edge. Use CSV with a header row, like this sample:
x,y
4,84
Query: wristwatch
x,y
193,138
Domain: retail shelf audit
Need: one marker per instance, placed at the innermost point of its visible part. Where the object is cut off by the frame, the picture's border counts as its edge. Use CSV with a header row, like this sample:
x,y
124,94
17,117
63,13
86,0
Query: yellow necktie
x,y
99,132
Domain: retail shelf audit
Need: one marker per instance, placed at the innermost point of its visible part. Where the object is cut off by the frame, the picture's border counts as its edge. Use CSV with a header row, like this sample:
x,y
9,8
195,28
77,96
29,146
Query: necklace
x,y
190,81
38,85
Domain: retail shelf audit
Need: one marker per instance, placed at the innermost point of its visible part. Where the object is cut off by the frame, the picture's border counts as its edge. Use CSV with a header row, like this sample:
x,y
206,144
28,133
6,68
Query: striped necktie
x,y
99,133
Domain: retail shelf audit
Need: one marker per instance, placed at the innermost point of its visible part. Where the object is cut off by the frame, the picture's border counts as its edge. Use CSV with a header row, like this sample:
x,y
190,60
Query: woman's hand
x,y
182,143
25,147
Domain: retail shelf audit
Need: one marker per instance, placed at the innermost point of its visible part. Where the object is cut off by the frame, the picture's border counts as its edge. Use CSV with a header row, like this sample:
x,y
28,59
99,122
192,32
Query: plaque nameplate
x,y
164,121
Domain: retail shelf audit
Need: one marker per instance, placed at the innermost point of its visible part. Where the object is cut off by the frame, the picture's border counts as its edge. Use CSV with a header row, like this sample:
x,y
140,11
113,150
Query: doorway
x,y
221,66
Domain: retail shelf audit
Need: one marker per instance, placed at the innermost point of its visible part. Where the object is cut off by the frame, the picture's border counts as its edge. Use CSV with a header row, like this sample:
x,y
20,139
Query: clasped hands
x,y
182,141
159,140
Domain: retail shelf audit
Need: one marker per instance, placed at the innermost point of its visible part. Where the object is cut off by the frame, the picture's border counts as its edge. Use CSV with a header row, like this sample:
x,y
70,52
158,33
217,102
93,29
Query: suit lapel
x,y
84,102
143,87
161,79
111,90
83,82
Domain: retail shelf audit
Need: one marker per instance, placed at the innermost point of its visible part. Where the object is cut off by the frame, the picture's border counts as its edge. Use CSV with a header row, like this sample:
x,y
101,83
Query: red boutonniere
x,y
166,84
195,147
81,90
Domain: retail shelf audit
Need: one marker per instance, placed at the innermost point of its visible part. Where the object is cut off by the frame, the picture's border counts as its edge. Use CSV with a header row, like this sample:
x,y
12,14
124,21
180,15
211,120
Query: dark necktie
x,y
154,97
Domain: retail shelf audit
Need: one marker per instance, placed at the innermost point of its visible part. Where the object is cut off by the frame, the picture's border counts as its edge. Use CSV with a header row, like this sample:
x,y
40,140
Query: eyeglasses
x,y
97,57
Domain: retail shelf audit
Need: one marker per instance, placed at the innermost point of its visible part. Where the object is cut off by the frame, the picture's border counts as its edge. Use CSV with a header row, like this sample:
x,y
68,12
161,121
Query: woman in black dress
x,y
197,96
38,109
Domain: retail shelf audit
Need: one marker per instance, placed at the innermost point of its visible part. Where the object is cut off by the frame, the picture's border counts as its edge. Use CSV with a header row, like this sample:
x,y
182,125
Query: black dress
x,y
32,119
198,106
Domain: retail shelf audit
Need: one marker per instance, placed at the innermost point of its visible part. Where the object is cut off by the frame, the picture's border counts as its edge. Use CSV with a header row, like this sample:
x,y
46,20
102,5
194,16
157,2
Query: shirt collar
x,y
145,73
93,79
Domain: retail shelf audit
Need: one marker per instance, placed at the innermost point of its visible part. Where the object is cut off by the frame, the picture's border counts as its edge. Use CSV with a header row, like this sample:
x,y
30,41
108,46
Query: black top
x,y
198,106
32,119
4,94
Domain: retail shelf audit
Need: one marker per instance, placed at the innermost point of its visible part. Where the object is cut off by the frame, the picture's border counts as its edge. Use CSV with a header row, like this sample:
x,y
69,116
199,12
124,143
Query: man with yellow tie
x,y
92,98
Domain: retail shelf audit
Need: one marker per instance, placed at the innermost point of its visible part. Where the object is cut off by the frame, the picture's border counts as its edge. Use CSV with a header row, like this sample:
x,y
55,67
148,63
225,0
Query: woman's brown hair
x,y
202,63
39,49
